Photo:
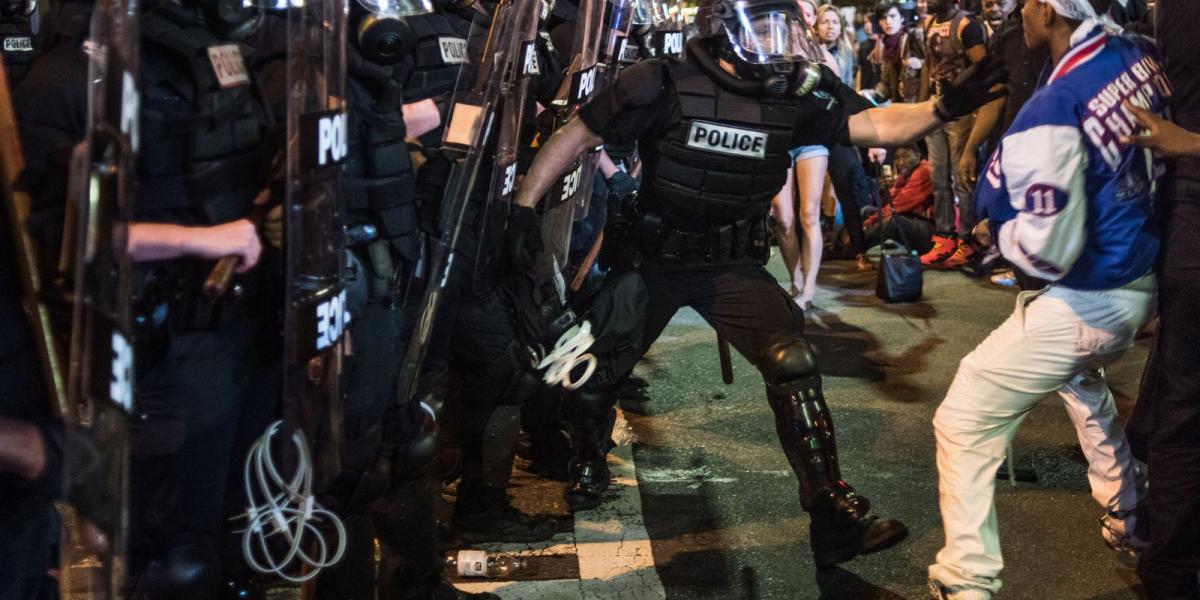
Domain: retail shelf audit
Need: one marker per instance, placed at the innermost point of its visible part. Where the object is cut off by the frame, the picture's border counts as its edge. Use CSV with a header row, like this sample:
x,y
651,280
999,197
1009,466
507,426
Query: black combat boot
x,y
590,418
842,526
487,515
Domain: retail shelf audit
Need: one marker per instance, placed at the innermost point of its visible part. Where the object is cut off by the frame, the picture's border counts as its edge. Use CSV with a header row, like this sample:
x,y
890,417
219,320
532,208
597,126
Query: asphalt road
x,y
719,501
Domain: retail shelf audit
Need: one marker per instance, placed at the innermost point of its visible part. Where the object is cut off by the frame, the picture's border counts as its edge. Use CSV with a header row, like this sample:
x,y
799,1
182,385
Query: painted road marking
x,y
615,557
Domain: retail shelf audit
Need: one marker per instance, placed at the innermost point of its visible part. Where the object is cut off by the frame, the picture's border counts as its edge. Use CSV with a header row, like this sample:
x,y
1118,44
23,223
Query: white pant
x,y
1057,340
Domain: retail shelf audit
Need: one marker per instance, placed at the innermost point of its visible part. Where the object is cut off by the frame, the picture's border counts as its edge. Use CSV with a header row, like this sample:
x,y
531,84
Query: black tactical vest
x,y
440,52
204,154
378,179
21,44
726,156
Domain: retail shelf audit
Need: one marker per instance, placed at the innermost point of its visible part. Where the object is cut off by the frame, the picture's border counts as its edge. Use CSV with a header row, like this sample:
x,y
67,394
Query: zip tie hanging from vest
x,y
282,515
569,353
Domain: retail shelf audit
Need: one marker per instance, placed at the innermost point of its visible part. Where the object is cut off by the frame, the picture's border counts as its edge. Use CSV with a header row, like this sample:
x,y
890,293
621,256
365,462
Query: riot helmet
x,y
380,30
647,16
765,32
232,19
766,40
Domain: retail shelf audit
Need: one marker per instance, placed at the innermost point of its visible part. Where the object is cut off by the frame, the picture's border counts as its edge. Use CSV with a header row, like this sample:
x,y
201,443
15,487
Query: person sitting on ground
x,y
912,199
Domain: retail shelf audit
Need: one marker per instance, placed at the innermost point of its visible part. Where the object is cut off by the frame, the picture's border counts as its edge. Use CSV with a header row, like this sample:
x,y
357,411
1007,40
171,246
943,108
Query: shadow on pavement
x,y
842,348
840,584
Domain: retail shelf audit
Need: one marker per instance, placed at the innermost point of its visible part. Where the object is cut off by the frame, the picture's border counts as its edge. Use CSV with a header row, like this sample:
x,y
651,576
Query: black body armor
x,y
440,53
22,42
726,156
378,179
204,135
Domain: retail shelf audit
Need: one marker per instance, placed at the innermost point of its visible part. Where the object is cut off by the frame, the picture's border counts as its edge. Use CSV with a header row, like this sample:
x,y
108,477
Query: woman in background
x,y
801,249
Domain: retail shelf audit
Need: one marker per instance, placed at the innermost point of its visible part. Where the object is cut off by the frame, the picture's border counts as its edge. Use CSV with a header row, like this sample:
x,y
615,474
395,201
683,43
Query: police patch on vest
x,y
322,141
18,44
723,139
228,65
454,50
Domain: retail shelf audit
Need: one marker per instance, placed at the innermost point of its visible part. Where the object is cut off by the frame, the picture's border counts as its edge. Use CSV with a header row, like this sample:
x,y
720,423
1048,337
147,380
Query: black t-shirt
x,y
1024,69
973,34
1177,22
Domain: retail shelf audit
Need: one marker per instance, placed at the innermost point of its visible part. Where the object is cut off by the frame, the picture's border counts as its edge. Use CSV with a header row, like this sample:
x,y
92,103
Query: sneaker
x,y
962,256
862,263
1120,533
943,248
937,591
986,260
504,523
1005,278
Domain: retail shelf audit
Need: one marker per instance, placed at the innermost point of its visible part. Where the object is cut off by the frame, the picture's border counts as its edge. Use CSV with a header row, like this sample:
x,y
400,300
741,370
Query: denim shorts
x,y
808,152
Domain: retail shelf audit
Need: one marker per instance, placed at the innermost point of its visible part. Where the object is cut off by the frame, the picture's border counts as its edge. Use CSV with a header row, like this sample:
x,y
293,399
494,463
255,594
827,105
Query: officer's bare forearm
x,y
554,159
420,117
22,449
893,125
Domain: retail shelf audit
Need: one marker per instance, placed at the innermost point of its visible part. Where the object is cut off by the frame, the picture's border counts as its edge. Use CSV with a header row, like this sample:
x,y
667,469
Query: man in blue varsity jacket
x,y
1067,202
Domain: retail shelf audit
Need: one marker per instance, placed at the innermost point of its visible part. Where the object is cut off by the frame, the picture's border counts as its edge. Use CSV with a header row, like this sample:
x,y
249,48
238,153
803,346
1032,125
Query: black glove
x,y
621,184
971,89
522,240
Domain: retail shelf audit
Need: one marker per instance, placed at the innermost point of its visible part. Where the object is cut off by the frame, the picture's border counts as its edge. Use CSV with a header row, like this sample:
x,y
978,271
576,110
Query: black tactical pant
x,y
28,536
853,188
1165,427
209,392
368,383
740,300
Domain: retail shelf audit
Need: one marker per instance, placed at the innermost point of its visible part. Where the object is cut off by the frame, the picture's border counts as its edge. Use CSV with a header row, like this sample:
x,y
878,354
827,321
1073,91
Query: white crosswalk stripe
x,y
615,558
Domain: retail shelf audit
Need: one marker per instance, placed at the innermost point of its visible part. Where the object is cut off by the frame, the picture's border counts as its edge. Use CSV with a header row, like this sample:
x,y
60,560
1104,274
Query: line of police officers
x,y
711,124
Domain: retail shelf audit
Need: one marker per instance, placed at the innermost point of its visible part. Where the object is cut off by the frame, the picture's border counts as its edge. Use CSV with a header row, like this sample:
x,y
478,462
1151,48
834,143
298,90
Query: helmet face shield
x,y
646,13
397,8
763,33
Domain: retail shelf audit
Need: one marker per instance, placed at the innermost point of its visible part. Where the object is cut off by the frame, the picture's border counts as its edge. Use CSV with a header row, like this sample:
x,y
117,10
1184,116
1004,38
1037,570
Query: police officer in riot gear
x,y
475,337
714,131
205,159
21,36
402,62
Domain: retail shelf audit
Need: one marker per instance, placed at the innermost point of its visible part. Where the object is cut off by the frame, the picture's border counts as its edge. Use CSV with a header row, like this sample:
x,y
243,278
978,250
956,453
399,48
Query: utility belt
x,y
168,299
747,238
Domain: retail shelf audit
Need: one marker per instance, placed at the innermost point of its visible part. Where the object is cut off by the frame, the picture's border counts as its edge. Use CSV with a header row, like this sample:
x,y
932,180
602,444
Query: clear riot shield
x,y
509,120
668,38
472,117
512,99
101,380
597,45
314,315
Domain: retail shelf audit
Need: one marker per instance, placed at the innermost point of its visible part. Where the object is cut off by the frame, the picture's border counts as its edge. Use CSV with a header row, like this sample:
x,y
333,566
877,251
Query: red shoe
x,y
961,257
943,248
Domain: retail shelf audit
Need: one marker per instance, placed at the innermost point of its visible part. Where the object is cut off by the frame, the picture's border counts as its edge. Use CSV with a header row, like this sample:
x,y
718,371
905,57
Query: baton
x,y
218,280
726,361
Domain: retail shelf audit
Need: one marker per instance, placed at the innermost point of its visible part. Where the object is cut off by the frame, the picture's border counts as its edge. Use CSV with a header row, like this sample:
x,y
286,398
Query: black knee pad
x,y
789,364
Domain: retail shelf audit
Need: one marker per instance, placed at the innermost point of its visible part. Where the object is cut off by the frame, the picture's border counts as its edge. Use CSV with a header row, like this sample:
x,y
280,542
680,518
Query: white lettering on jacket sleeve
x,y
1044,171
